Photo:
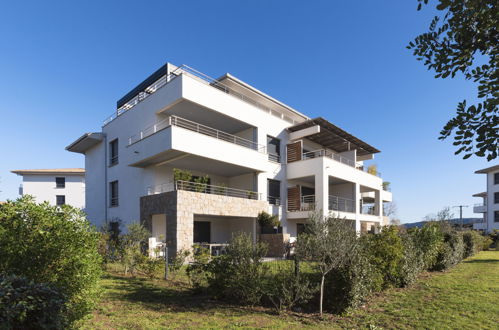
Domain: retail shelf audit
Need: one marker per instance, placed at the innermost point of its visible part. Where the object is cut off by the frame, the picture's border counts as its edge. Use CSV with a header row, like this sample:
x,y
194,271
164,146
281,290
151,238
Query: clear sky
x,y
63,65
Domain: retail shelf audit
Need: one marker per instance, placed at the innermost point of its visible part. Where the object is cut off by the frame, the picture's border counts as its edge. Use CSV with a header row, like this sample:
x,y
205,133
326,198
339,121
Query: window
x,y
274,191
113,152
496,216
496,178
113,193
274,148
496,198
60,182
60,200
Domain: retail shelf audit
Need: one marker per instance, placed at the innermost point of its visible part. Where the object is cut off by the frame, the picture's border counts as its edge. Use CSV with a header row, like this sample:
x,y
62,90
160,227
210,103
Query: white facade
x,y
489,207
180,118
47,184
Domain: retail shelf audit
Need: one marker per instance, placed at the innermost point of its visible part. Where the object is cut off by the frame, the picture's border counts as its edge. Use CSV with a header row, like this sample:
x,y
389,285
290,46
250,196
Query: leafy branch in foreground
x,y
464,40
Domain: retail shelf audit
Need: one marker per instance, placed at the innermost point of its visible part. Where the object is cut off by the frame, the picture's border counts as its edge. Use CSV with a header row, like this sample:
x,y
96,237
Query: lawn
x,y
462,298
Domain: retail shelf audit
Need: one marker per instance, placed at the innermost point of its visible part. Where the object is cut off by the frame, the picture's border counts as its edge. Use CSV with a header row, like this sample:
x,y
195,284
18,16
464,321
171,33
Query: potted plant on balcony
x,y
252,195
386,186
201,183
372,169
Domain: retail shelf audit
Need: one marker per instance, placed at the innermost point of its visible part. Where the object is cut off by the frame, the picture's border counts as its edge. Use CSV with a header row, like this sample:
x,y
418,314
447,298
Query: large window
x,y
496,216
274,191
60,200
274,149
496,178
60,182
496,198
113,193
113,152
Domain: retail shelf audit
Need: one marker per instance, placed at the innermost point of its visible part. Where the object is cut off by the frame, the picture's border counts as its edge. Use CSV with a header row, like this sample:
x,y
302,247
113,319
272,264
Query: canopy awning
x,y
333,137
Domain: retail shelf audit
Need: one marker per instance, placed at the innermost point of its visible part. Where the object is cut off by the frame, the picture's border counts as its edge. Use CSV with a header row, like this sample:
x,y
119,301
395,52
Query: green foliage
x,y
25,304
413,261
201,183
54,245
132,245
451,251
197,271
473,243
181,175
386,253
285,289
349,285
266,220
239,274
178,261
463,39
372,169
427,241
151,267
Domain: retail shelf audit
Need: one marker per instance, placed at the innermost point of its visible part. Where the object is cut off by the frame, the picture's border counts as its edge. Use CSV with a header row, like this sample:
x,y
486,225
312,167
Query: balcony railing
x,y
480,204
198,128
184,69
335,203
274,200
368,210
274,158
202,188
341,204
338,158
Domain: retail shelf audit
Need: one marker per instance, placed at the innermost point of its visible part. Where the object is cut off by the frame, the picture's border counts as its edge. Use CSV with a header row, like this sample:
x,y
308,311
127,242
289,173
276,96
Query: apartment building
x,y
196,159
57,186
489,206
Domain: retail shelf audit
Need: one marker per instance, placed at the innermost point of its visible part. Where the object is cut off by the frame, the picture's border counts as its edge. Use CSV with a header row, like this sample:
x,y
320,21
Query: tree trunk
x,y
322,295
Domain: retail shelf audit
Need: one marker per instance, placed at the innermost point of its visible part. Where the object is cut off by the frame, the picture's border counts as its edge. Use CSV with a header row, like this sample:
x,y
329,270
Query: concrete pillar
x,y
357,207
322,192
261,182
378,203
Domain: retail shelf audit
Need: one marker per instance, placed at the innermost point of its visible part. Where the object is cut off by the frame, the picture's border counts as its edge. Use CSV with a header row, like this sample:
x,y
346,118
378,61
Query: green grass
x,y
466,297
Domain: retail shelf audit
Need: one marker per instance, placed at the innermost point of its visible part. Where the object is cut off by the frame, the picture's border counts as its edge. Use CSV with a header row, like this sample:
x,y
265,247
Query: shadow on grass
x,y
482,261
159,296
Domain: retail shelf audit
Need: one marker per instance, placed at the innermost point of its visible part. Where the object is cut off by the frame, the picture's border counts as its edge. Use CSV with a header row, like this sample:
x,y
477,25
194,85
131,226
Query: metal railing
x,y
307,203
341,204
274,200
216,190
184,69
368,209
198,128
480,204
160,188
274,158
338,158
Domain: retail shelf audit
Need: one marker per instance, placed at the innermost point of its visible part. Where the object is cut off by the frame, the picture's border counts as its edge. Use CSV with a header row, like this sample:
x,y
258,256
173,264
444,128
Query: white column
x,y
378,203
322,192
357,207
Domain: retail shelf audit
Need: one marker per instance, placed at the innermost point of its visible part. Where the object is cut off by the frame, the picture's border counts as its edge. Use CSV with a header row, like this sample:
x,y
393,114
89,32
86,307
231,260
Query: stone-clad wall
x,y
181,206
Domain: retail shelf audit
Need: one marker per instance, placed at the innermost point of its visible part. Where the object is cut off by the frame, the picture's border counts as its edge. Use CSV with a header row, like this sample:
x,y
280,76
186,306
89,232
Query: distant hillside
x,y
457,221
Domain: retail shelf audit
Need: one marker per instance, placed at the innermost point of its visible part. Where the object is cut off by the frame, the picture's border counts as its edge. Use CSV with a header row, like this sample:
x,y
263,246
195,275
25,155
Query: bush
x,y
348,286
473,243
451,252
197,271
25,304
54,245
132,245
412,263
285,289
239,274
179,260
427,241
386,251
151,267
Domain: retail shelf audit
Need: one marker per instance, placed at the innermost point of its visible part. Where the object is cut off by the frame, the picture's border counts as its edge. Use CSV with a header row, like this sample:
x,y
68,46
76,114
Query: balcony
x,y
341,159
202,188
174,138
307,203
480,208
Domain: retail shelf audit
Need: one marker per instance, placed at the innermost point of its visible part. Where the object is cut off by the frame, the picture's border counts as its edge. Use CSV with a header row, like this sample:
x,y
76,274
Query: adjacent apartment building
x,y
196,159
57,186
489,207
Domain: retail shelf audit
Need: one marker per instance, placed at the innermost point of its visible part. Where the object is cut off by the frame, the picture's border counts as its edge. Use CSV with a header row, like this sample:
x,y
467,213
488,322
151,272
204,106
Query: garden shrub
x,y
285,289
386,251
239,274
197,271
451,252
151,266
132,247
54,245
25,304
178,261
412,263
473,243
348,286
427,241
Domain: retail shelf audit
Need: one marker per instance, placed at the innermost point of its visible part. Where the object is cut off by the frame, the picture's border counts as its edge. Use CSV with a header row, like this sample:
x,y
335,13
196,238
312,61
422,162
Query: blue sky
x,y
63,65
